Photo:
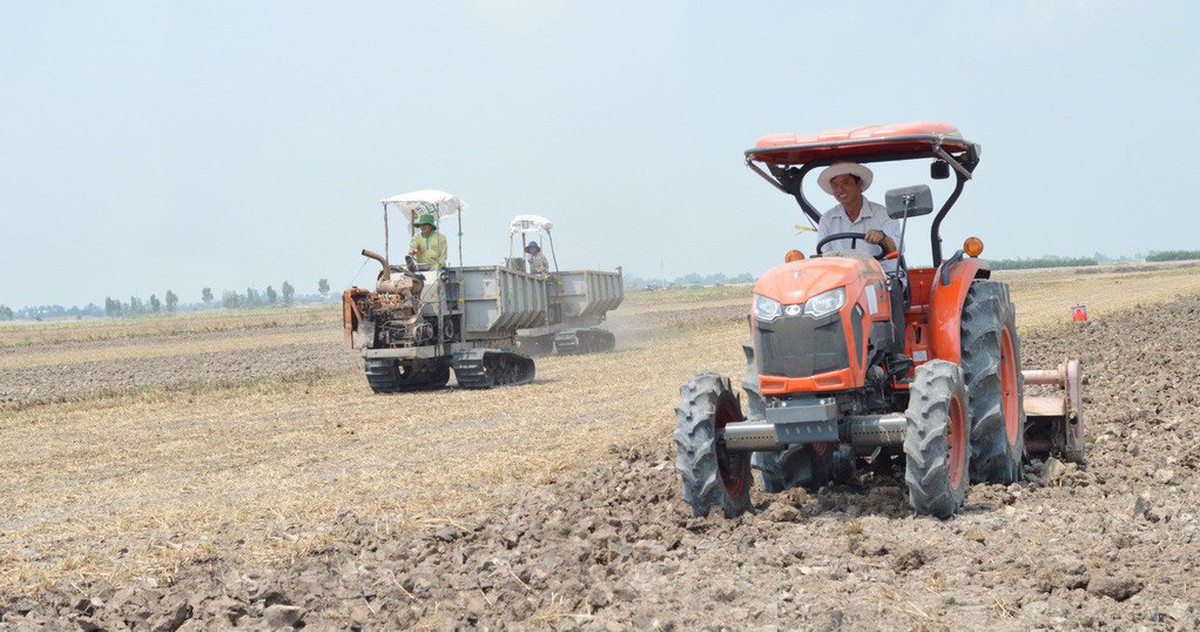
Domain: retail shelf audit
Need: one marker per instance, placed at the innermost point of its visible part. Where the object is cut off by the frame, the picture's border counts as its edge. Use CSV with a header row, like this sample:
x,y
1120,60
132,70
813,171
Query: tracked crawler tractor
x,y
916,370
423,321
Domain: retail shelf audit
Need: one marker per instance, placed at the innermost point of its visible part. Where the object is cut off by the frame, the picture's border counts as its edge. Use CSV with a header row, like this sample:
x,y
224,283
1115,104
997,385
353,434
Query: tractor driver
x,y
846,181
428,247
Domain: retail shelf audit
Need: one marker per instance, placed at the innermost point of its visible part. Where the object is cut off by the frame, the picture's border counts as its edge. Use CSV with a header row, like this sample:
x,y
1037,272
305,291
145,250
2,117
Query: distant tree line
x,y
1173,255
1050,261
286,296
42,312
694,278
114,308
169,303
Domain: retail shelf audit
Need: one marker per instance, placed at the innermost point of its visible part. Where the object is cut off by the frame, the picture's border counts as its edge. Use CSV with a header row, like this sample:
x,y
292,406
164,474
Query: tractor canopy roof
x,y
864,144
525,224
788,158
426,201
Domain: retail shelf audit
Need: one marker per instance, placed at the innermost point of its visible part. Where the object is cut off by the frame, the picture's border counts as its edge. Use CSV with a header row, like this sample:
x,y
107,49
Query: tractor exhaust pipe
x,y
876,430
387,270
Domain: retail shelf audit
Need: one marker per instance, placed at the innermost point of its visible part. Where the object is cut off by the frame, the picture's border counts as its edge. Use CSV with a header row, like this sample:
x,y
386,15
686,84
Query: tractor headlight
x,y
825,303
766,309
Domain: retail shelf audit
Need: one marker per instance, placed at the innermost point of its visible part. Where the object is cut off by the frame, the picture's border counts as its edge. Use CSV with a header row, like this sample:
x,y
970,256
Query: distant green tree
x,y
289,293
1049,261
206,295
231,300
172,300
1173,255
135,306
6,312
155,304
253,299
112,307
272,295
323,287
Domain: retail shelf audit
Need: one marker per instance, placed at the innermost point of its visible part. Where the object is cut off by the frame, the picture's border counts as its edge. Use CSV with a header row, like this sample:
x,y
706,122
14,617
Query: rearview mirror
x,y
909,201
939,170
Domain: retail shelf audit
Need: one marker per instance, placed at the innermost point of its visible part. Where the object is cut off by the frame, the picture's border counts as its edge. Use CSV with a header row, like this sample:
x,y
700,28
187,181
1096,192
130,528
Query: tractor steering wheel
x,y
853,237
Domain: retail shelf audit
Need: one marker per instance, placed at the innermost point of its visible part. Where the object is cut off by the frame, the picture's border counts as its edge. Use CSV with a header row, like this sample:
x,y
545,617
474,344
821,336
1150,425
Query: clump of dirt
x,y
1112,544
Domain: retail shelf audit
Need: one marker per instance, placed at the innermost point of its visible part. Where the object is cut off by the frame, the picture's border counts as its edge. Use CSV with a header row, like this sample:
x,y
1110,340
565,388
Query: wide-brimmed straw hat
x,y
533,245
426,218
841,168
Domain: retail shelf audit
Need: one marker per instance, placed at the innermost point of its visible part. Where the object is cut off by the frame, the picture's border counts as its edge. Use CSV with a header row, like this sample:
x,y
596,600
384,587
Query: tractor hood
x,y
796,282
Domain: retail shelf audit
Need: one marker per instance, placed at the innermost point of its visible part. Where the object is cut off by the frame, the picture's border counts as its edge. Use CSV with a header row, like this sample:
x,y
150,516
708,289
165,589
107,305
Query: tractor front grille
x,y
800,346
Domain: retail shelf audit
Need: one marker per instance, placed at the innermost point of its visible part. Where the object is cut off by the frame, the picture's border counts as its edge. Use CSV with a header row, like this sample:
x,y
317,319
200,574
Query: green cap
x,y
426,218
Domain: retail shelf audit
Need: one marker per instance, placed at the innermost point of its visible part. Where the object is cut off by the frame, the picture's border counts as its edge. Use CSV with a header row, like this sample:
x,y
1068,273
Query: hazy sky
x,y
155,146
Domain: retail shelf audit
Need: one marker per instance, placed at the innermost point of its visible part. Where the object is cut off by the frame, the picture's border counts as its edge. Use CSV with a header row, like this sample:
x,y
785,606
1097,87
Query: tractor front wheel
x,y
710,474
936,440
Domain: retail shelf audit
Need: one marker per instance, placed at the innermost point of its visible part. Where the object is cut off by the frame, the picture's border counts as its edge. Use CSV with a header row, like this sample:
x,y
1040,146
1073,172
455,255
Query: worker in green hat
x,y
428,247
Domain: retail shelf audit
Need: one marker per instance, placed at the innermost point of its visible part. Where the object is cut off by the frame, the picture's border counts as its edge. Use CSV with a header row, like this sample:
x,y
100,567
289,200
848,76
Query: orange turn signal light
x,y
793,255
973,246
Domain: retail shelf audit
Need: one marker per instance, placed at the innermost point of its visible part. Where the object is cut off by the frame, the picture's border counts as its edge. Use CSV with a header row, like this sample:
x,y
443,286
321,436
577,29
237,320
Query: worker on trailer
x,y
846,181
428,246
537,261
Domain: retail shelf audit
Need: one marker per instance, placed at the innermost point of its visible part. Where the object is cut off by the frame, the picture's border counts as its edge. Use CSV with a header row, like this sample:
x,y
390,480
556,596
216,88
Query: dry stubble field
x,y
219,470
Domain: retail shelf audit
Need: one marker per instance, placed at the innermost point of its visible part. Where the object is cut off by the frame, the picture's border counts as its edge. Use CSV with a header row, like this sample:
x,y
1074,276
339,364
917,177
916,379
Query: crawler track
x,y
588,340
486,368
386,375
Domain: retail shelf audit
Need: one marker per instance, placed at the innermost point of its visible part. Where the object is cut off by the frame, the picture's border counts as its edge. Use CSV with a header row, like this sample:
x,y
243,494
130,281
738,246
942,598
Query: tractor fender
x,y
947,295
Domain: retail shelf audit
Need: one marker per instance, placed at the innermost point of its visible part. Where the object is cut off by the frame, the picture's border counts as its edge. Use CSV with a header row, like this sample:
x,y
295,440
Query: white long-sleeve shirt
x,y
872,216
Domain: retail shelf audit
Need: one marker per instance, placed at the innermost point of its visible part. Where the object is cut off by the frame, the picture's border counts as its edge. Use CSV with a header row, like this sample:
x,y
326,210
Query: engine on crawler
x,y
397,313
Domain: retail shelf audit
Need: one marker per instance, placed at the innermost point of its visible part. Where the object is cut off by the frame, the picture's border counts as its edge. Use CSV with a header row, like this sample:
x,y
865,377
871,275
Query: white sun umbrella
x,y
525,225
416,203
432,201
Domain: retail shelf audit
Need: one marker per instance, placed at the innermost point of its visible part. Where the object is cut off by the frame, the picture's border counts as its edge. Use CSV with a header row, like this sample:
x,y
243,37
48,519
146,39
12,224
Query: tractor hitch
x,y
1054,424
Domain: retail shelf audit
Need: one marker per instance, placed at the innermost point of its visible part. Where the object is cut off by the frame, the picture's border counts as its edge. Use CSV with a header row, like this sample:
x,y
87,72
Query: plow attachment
x,y
1054,423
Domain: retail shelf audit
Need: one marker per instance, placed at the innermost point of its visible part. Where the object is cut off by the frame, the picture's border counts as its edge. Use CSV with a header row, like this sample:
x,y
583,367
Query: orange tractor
x,y
859,360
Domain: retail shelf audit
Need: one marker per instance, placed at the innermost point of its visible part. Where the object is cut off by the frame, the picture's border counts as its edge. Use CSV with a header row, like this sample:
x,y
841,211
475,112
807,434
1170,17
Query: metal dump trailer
x,y
496,300
578,300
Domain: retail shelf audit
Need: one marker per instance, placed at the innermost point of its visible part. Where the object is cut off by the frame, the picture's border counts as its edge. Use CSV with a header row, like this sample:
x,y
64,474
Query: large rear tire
x,y
711,476
936,440
991,364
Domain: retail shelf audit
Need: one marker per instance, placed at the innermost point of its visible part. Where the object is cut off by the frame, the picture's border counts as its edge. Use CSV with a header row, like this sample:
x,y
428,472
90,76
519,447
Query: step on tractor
x,y
577,300
422,321
857,361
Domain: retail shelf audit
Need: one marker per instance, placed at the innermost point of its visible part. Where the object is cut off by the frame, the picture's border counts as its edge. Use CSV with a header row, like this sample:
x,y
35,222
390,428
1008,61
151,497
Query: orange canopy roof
x,y
848,143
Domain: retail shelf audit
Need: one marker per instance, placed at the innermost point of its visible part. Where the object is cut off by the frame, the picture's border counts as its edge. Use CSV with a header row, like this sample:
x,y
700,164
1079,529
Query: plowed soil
x,y
611,545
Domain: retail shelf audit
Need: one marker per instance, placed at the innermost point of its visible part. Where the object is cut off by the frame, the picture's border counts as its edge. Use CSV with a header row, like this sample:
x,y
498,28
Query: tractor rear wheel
x,y
936,440
991,363
711,475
